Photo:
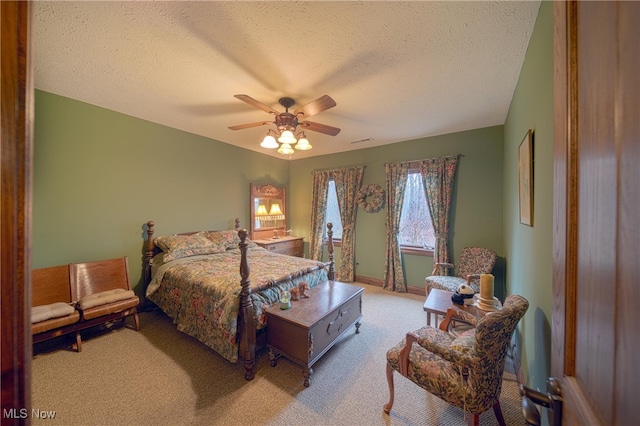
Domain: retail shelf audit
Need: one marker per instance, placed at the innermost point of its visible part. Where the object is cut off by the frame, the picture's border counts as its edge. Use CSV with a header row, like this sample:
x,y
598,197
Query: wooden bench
x,y
50,293
70,298
104,291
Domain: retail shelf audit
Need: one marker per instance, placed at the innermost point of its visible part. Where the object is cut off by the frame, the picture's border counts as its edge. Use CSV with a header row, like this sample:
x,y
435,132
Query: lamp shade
x,y
262,210
287,141
287,137
269,142
275,209
303,144
285,148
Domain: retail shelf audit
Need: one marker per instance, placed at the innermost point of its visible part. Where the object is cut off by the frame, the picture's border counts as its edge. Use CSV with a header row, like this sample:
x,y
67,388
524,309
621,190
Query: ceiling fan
x,y
287,122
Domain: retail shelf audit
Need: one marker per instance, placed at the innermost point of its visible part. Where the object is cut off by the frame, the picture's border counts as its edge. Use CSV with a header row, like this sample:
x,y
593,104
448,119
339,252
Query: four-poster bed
x,y
215,285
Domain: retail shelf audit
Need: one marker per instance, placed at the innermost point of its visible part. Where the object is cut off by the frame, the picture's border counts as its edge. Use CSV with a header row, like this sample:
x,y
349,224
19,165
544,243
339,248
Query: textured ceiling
x,y
397,70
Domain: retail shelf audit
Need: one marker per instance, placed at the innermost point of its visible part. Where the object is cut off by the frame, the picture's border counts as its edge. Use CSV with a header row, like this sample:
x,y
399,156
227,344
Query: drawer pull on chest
x,y
331,328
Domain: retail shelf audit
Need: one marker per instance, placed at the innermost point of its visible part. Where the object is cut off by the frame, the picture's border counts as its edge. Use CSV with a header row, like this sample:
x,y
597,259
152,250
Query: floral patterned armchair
x,y
473,262
465,371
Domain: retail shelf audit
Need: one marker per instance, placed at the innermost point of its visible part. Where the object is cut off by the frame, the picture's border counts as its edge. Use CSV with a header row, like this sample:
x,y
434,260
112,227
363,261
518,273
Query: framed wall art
x,y
525,178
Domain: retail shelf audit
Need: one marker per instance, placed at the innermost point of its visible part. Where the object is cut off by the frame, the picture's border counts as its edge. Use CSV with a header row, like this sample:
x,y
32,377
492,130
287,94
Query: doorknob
x,y
551,400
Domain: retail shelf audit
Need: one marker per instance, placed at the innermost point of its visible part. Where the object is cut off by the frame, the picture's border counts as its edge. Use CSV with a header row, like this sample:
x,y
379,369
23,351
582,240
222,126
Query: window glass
x,y
415,221
333,212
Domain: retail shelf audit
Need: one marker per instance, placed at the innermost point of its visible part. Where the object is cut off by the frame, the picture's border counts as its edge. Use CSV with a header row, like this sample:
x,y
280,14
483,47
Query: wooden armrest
x,y
472,277
444,325
404,353
437,266
454,315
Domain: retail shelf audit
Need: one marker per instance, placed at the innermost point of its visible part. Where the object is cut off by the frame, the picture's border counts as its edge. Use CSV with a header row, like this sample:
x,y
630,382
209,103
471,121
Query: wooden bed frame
x,y
247,332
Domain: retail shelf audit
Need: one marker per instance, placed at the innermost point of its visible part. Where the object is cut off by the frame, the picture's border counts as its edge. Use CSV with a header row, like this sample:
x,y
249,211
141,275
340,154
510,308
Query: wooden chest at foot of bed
x,y
313,325
292,246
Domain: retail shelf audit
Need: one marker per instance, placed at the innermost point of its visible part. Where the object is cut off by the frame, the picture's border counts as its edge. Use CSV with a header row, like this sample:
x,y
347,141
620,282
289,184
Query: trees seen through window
x,y
333,213
416,230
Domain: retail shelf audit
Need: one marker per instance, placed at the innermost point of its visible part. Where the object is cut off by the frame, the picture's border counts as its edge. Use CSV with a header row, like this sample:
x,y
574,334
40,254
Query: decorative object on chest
x,y
292,246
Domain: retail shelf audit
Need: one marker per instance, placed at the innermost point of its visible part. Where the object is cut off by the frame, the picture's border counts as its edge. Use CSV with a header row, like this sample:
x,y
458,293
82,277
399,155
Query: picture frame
x,y
525,179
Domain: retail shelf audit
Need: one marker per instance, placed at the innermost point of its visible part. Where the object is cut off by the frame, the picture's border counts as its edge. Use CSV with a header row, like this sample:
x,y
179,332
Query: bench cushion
x,y
52,310
105,297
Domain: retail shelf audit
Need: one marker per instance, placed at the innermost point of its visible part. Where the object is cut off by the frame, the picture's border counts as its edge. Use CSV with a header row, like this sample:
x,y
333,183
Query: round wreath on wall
x,y
371,198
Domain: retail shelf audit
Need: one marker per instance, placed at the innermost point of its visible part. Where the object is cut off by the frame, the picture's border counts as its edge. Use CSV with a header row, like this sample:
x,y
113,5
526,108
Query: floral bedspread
x,y
202,293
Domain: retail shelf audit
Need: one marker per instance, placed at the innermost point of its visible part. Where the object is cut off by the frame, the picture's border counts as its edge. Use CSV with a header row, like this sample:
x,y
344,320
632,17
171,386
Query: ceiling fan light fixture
x,y
269,142
287,138
286,123
285,149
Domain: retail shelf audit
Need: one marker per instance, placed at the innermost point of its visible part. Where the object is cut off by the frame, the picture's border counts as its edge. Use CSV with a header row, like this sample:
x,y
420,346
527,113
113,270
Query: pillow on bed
x,y
179,246
228,239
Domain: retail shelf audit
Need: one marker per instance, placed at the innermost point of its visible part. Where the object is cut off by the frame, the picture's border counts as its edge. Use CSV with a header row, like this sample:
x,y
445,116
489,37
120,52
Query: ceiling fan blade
x,y
256,104
249,125
321,128
314,107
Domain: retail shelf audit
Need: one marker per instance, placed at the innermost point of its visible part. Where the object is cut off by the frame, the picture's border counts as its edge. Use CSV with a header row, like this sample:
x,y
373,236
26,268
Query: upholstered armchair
x,y
474,261
465,371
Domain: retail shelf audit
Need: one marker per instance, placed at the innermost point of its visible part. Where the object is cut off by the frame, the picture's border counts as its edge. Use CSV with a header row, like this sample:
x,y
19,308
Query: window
x,y
416,230
333,213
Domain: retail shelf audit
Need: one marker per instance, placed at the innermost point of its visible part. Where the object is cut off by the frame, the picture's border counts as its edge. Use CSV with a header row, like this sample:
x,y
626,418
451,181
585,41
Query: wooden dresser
x,y
292,246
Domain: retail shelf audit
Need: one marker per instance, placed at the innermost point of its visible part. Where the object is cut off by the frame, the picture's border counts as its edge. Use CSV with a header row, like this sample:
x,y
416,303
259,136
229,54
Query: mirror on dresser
x,y
269,221
268,211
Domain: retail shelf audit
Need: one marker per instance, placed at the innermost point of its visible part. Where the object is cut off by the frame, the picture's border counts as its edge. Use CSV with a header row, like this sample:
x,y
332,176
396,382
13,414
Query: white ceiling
x,y
397,70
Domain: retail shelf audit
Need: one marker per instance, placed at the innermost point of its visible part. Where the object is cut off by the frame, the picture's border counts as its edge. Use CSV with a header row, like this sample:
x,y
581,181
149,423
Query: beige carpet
x,y
159,376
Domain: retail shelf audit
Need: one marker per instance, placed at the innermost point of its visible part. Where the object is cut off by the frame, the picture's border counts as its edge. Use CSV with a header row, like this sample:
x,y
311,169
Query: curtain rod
x,y
426,159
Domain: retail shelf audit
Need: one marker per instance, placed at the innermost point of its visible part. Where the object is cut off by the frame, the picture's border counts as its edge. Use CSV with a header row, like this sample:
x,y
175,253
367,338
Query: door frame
x,y
577,410
16,155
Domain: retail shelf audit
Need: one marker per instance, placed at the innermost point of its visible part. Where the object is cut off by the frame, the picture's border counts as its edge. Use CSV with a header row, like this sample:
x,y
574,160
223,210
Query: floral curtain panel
x,y
348,183
438,178
396,182
318,212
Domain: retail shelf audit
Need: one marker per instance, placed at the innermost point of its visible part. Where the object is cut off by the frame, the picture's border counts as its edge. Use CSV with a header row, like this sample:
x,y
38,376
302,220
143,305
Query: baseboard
x,y
517,366
371,281
380,283
416,290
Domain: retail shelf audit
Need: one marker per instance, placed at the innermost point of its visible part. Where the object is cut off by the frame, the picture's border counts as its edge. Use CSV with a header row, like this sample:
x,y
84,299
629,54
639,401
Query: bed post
x,y
148,255
237,224
331,274
246,323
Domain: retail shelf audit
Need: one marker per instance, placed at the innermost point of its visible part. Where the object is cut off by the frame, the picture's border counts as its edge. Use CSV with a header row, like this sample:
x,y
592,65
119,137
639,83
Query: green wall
x,y
529,249
99,176
477,202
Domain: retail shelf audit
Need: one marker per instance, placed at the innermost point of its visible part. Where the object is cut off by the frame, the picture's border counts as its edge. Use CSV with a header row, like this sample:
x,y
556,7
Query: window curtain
x,y
348,183
438,176
396,182
318,212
